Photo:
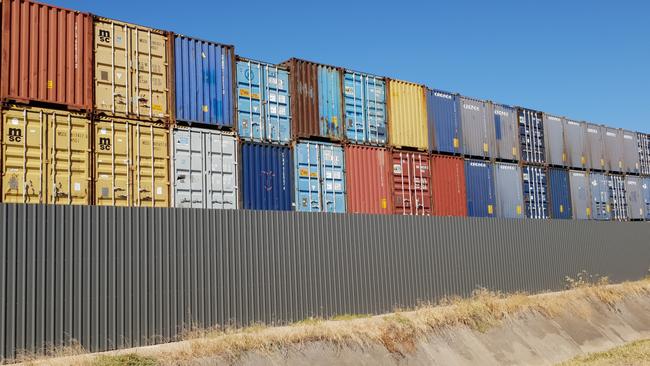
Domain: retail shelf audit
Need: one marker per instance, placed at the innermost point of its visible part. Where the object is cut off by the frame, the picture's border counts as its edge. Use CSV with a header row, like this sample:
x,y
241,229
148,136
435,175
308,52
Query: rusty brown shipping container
x,y
368,174
411,180
316,99
47,55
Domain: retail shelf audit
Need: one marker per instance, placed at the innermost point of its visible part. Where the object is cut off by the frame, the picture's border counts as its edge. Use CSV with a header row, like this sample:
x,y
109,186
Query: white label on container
x,y
397,168
159,190
482,165
282,99
102,131
77,187
631,182
471,107
329,186
441,95
573,123
578,175
273,109
273,97
14,121
337,175
349,90
507,167
282,111
627,137
591,130
553,118
273,81
611,134
338,187
501,113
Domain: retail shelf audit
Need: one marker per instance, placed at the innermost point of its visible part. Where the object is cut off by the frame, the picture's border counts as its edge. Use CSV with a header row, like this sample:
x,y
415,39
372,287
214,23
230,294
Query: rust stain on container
x,y
368,173
448,186
47,55
411,181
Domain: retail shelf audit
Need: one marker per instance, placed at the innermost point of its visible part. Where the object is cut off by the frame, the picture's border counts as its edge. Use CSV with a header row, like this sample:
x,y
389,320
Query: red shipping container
x,y
411,178
46,55
448,182
368,179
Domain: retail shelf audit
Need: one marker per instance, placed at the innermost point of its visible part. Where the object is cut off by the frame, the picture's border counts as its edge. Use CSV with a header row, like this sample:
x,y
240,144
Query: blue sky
x,y
588,60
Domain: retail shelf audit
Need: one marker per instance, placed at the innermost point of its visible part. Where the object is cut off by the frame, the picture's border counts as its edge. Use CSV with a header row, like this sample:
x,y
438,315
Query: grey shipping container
x,y
509,190
205,169
631,163
554,140
478,133
613,143
575,143
531,136
580,195
643,143
596,160
599,193
634,194
506,132
618,201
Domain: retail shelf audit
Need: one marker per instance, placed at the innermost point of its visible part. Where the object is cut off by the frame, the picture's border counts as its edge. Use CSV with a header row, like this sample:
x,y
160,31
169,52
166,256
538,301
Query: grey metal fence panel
x,y
113,277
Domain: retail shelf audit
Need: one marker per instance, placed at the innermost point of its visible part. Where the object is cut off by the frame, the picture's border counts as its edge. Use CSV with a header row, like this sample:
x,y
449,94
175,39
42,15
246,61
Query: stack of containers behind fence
x,y
613,143
316,100
481,199
407,115
631,163
46,63
643,143
618,199
443,122
600,196
580,194
319,177
508,189
575,136
478,128
531,136
595,143
449,197
554,140
368,179
365,108
506,132
535,192
634,195
411,182
132,114
559,194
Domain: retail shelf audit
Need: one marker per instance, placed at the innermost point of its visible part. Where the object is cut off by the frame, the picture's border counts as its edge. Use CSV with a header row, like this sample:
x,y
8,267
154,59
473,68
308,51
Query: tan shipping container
x,y
45,156
407,115
132,71
131,163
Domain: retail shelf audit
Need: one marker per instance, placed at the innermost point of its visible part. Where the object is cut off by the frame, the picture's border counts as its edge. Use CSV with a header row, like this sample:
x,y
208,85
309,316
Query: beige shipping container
x,y
407,115
132,71
45,156
131,163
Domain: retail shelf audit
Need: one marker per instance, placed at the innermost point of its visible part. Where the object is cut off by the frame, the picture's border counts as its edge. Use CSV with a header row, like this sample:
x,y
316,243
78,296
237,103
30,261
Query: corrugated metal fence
x,y
113,277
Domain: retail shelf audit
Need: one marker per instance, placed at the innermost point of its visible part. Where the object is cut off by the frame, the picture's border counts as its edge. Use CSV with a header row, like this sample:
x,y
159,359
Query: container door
x,y
531,136
506,133
478,137
645,189
444,122
221,171
276,96
600,197
560,200
150,76
249,102
189,184
481,200
113,174
535,195
307,161
411,177
508,188
554,141
375,109
618,199
633,194
69,159
150,161
333,185
595,142
630,153
355,126
329,103
580,195
643,142
575,136
266,177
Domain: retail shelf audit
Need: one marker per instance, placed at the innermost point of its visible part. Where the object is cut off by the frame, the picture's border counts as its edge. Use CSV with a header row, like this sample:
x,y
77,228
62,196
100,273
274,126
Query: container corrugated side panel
x,y
411,183
267,182
449,197
575,136
478,131
600,196
634,195
579,184
595,144
45,156
47,55
204,82
365,108
263,111
303,83
554,140
319,177
613,142
407,115
508,188
643,143
444,125
368,173
631,163
645,186
559,194
618,199
535,192
481,199
205,173
531,136
330,102
506,132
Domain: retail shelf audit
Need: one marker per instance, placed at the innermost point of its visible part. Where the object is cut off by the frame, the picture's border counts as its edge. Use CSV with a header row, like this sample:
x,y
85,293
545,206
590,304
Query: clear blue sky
x,y
588,60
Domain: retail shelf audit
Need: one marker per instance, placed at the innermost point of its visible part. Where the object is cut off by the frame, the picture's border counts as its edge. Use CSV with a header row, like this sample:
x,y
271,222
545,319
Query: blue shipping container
x,y
320,179
535,192
444,122
204,82
329,101
263,112
267,182
481,199
560,194
599,197
365,108
645,189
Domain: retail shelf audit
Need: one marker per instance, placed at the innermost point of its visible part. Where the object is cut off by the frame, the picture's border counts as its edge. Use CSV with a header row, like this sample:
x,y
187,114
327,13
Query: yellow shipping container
x,y
45,156
407,115
131,71
131,163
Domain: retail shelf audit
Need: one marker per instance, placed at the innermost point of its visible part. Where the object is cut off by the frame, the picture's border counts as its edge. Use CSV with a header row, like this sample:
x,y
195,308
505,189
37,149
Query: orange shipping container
x,y
368,173
47,55
411,181
448,186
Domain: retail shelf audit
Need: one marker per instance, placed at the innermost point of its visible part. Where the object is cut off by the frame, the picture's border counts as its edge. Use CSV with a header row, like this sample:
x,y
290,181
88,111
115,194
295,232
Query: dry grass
x,y
398,332
635,353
